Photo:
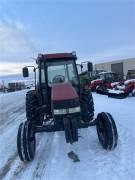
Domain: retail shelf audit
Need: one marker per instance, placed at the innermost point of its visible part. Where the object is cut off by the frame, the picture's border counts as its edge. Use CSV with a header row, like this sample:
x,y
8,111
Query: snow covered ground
x,y
51,161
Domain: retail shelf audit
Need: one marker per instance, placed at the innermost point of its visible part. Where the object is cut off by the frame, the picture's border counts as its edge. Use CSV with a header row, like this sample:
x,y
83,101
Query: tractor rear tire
x,y
107,131
26,142
32,106
87,105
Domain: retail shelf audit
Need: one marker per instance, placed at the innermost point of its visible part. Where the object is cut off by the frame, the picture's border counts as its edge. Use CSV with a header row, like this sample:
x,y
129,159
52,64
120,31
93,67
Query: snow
x,y
121,87
115,91
4,80
114,84
105,72
52,162
96,80
129,81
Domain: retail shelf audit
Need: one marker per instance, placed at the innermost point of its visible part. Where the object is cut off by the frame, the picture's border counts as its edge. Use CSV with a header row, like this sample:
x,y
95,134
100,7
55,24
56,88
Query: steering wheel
x,y
58,79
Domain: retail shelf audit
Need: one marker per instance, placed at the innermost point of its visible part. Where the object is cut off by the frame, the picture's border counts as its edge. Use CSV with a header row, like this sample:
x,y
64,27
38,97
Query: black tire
x,y
87,105
74,130
32,106
26,142
107,131
67,129
20,148
102,90
117,96
71,130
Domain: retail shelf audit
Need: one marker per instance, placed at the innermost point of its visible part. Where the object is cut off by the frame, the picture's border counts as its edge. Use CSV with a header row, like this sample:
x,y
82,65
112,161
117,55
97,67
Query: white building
x,y
119,66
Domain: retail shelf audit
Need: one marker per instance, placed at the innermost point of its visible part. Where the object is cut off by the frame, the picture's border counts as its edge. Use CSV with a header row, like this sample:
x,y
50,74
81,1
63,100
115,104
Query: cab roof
x,y
46,57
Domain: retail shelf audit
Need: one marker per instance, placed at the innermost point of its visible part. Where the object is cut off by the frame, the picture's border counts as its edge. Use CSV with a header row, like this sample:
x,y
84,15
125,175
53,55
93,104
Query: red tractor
x,y
120,92
60,103
105,81
123,89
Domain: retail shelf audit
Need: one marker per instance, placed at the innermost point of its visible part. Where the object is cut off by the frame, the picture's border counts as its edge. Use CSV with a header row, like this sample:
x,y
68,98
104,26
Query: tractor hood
x,y
64,96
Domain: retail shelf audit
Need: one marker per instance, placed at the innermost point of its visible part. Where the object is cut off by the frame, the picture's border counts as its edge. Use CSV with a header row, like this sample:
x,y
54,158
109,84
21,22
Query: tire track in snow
x,y
5,169
126,155
8,118
36,167
18,168
121,157
9,132
43,157
12,105
56,158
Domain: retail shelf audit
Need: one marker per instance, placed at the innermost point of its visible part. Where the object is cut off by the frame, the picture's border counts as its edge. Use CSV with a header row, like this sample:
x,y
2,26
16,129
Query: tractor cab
x,y
56,69
130,74
61,71
109,76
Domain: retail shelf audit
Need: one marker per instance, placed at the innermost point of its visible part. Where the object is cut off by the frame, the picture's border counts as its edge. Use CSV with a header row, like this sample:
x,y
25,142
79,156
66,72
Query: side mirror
x,y
25,72
90,67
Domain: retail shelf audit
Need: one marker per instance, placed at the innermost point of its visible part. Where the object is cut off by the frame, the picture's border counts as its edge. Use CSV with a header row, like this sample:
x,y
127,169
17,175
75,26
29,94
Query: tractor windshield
x,y
62,71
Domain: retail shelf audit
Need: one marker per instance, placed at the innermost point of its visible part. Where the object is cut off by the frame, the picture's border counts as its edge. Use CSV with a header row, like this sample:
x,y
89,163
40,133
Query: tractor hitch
x,y
54,128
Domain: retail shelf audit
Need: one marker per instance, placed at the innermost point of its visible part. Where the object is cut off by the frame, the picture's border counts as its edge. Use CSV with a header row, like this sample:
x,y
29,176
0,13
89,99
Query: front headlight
x,y
74,110
60,111
66,111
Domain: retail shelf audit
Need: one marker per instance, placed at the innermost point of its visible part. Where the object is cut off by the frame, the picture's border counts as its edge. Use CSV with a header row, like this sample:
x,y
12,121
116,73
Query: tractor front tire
x,y
26,142
107,131
87,105
71,130
32,106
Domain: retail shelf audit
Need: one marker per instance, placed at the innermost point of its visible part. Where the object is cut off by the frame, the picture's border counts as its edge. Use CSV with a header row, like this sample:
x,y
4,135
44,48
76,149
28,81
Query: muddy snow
x,y
52,162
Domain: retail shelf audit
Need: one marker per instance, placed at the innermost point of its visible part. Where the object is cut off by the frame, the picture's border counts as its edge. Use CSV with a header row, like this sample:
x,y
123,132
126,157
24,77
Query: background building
x,y
119,66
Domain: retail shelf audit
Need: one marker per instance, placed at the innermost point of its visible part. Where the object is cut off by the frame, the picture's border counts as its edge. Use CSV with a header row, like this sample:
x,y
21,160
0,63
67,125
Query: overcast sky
x,y
97,30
